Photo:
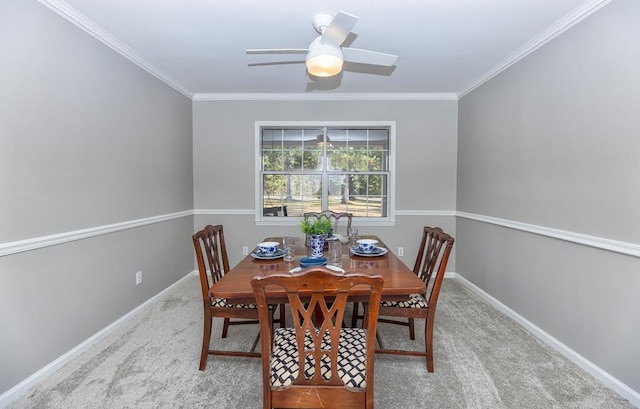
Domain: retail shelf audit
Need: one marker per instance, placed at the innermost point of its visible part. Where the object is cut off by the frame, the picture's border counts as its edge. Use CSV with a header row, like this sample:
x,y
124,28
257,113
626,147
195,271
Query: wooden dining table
x,y
399,280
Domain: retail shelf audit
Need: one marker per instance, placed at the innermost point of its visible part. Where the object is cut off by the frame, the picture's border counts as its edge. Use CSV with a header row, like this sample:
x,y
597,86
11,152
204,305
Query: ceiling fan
x,y
325,54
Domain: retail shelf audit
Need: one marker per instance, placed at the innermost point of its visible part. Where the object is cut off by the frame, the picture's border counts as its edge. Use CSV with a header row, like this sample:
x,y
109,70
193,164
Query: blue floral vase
x,y
316,241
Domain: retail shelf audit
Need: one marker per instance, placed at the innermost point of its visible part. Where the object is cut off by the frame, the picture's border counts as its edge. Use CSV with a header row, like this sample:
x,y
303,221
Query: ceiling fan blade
x,y
339,28
357,55
278,51
265,64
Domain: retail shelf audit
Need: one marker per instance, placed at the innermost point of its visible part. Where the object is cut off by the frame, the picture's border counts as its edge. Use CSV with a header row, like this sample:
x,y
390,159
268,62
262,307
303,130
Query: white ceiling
x,y
443,46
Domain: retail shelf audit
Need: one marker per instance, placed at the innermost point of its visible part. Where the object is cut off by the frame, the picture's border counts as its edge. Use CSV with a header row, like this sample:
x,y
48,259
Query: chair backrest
x,y
318,297
336,217
211,255
433,256
275,211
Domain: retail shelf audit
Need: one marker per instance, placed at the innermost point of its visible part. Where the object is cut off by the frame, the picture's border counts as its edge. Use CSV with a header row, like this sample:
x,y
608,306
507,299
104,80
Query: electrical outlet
x,y
139,277
400,251
245,250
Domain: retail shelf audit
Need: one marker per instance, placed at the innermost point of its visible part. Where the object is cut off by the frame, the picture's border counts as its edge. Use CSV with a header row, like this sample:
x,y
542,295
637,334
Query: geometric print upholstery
x,y
351,357
213,263
222,302
414,301
431,264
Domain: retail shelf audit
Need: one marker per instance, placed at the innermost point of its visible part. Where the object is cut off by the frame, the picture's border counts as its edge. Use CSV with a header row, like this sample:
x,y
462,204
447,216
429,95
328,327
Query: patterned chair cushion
x,y
414,301
351,357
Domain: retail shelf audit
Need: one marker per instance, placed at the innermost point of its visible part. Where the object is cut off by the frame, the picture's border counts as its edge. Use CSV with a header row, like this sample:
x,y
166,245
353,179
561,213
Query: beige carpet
x,y
483,359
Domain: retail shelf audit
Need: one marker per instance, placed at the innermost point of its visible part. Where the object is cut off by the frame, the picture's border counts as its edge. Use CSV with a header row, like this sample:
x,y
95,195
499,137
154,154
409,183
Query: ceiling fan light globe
x,y
323,60
324,65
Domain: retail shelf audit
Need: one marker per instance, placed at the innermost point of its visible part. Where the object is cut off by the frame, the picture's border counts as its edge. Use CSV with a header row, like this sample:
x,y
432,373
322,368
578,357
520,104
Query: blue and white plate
x,y
259,255
313,261
378,251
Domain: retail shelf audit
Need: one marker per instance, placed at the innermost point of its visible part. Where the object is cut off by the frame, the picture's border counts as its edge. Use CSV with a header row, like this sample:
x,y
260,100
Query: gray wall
x,y
87,139
554,142
224,163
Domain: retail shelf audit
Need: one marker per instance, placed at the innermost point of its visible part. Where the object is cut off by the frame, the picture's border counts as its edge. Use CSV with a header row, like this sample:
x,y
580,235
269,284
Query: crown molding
x,y
87,25
442,96
538,41
91,28
80,20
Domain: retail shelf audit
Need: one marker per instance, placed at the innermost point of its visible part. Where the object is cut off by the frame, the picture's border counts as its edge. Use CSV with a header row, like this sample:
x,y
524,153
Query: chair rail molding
x,y
616,246
294,221
225,211
53,239
398,212
443,213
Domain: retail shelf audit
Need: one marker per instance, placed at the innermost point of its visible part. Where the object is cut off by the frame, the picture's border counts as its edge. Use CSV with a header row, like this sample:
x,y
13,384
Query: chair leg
x,y
412,329
206,339
225,327
283,321
365,314
380,346
428,342
354,316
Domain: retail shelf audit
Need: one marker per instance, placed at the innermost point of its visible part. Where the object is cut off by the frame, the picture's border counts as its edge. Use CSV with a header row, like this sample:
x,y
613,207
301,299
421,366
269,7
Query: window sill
x,y
295,221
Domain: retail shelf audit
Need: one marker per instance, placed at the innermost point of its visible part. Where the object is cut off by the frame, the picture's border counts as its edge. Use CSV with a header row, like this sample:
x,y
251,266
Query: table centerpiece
x,y
317,229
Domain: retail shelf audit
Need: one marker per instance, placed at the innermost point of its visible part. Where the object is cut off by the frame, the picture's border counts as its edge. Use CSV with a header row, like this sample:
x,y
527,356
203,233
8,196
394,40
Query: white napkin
x,y
334,268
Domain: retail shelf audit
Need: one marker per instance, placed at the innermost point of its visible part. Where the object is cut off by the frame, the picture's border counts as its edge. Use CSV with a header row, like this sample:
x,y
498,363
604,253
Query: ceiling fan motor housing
x,y
325,55
321,21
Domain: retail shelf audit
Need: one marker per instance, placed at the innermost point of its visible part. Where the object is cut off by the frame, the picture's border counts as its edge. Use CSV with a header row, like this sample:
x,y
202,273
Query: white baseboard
x,y
24,386
614,384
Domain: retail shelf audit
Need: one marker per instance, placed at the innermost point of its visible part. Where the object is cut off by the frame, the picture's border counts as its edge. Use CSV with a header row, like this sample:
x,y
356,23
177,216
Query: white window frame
x,y
390,220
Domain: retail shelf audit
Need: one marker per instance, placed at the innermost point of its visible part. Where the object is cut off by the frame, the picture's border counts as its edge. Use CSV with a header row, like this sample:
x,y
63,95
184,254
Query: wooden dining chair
x,y
211,255
336,217
318,363
430,266
275,211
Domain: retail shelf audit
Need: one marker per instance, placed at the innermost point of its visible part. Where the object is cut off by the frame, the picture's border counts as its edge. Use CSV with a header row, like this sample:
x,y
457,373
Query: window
x,y
344,168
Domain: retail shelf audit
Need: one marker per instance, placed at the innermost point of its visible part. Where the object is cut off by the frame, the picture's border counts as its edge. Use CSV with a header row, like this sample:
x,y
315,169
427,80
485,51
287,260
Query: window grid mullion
x,y
348,168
